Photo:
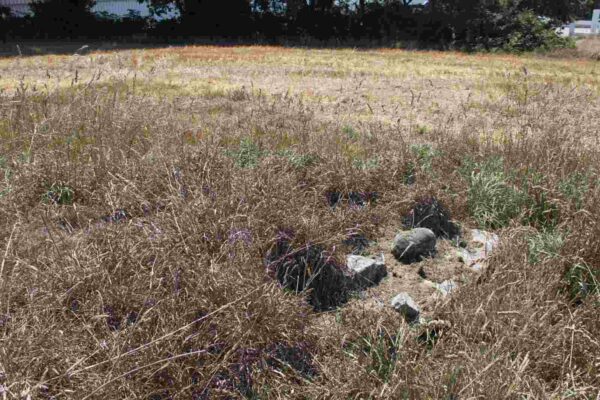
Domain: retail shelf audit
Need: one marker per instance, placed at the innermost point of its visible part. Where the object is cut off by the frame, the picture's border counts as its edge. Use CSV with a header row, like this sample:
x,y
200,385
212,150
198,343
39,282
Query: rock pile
x,y
329,283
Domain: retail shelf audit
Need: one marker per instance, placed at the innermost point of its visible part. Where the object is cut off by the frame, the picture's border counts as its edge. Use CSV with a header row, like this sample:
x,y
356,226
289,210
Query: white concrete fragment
x,y
479,248
446,287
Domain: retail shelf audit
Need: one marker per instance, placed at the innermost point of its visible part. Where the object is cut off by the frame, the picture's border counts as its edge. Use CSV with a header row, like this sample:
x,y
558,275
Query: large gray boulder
x,y
406,306
414,245
366,271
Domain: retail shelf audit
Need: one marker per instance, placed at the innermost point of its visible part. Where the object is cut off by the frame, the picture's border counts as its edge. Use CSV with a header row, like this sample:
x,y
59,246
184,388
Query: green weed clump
x,y
371,163
543,245
583,282
298,160
248,154
424,153
351,133
60,194
575,187
381,350
495,198
492,200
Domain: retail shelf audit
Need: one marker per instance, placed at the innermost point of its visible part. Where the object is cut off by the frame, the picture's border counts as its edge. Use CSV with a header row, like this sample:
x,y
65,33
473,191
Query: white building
x,y
117,8
583,27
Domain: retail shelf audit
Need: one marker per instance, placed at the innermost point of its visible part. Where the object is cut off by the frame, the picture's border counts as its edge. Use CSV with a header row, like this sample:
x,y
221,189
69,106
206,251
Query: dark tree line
x,y
470,24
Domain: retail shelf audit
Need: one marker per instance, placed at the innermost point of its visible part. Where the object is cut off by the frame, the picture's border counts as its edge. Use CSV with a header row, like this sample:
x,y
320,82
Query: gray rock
x,y
446,287
414,245
406,306
366,271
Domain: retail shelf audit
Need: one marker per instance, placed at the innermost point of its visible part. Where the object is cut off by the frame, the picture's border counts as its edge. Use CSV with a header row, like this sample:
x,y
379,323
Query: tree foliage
x,y
514,25
507,24
63,17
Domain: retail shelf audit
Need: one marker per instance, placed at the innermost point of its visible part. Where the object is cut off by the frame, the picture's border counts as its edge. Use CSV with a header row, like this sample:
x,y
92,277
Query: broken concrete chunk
x,y
406,306
478,248
446,287
414,245
367,271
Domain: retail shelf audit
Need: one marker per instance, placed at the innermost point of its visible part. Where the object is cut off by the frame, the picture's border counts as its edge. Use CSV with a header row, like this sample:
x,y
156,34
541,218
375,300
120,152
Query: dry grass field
x,y
140,191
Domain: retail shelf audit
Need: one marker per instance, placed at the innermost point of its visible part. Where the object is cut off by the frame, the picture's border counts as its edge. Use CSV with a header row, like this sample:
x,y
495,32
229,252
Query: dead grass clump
x,y
589,47
429,213
516,324
311,269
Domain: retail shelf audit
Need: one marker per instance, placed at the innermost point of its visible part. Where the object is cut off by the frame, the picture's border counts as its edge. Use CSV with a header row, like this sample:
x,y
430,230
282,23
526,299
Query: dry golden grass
x,y
589,47
141,190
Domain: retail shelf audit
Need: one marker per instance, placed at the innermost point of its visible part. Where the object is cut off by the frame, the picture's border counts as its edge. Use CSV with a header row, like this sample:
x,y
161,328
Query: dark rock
x,y
431,214
333,198
310,269
413,246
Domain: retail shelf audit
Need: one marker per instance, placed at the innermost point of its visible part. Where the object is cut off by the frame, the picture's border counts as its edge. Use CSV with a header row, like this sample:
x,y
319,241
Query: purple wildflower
x,y
240,235
4,320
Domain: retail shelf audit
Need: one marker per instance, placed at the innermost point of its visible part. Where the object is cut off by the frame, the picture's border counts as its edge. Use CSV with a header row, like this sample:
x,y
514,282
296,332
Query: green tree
x,y
221,17
63,17
510,24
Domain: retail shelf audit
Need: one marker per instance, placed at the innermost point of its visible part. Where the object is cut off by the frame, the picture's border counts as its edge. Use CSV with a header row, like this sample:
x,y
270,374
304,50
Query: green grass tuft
x,y
492,200
60,194
543,245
